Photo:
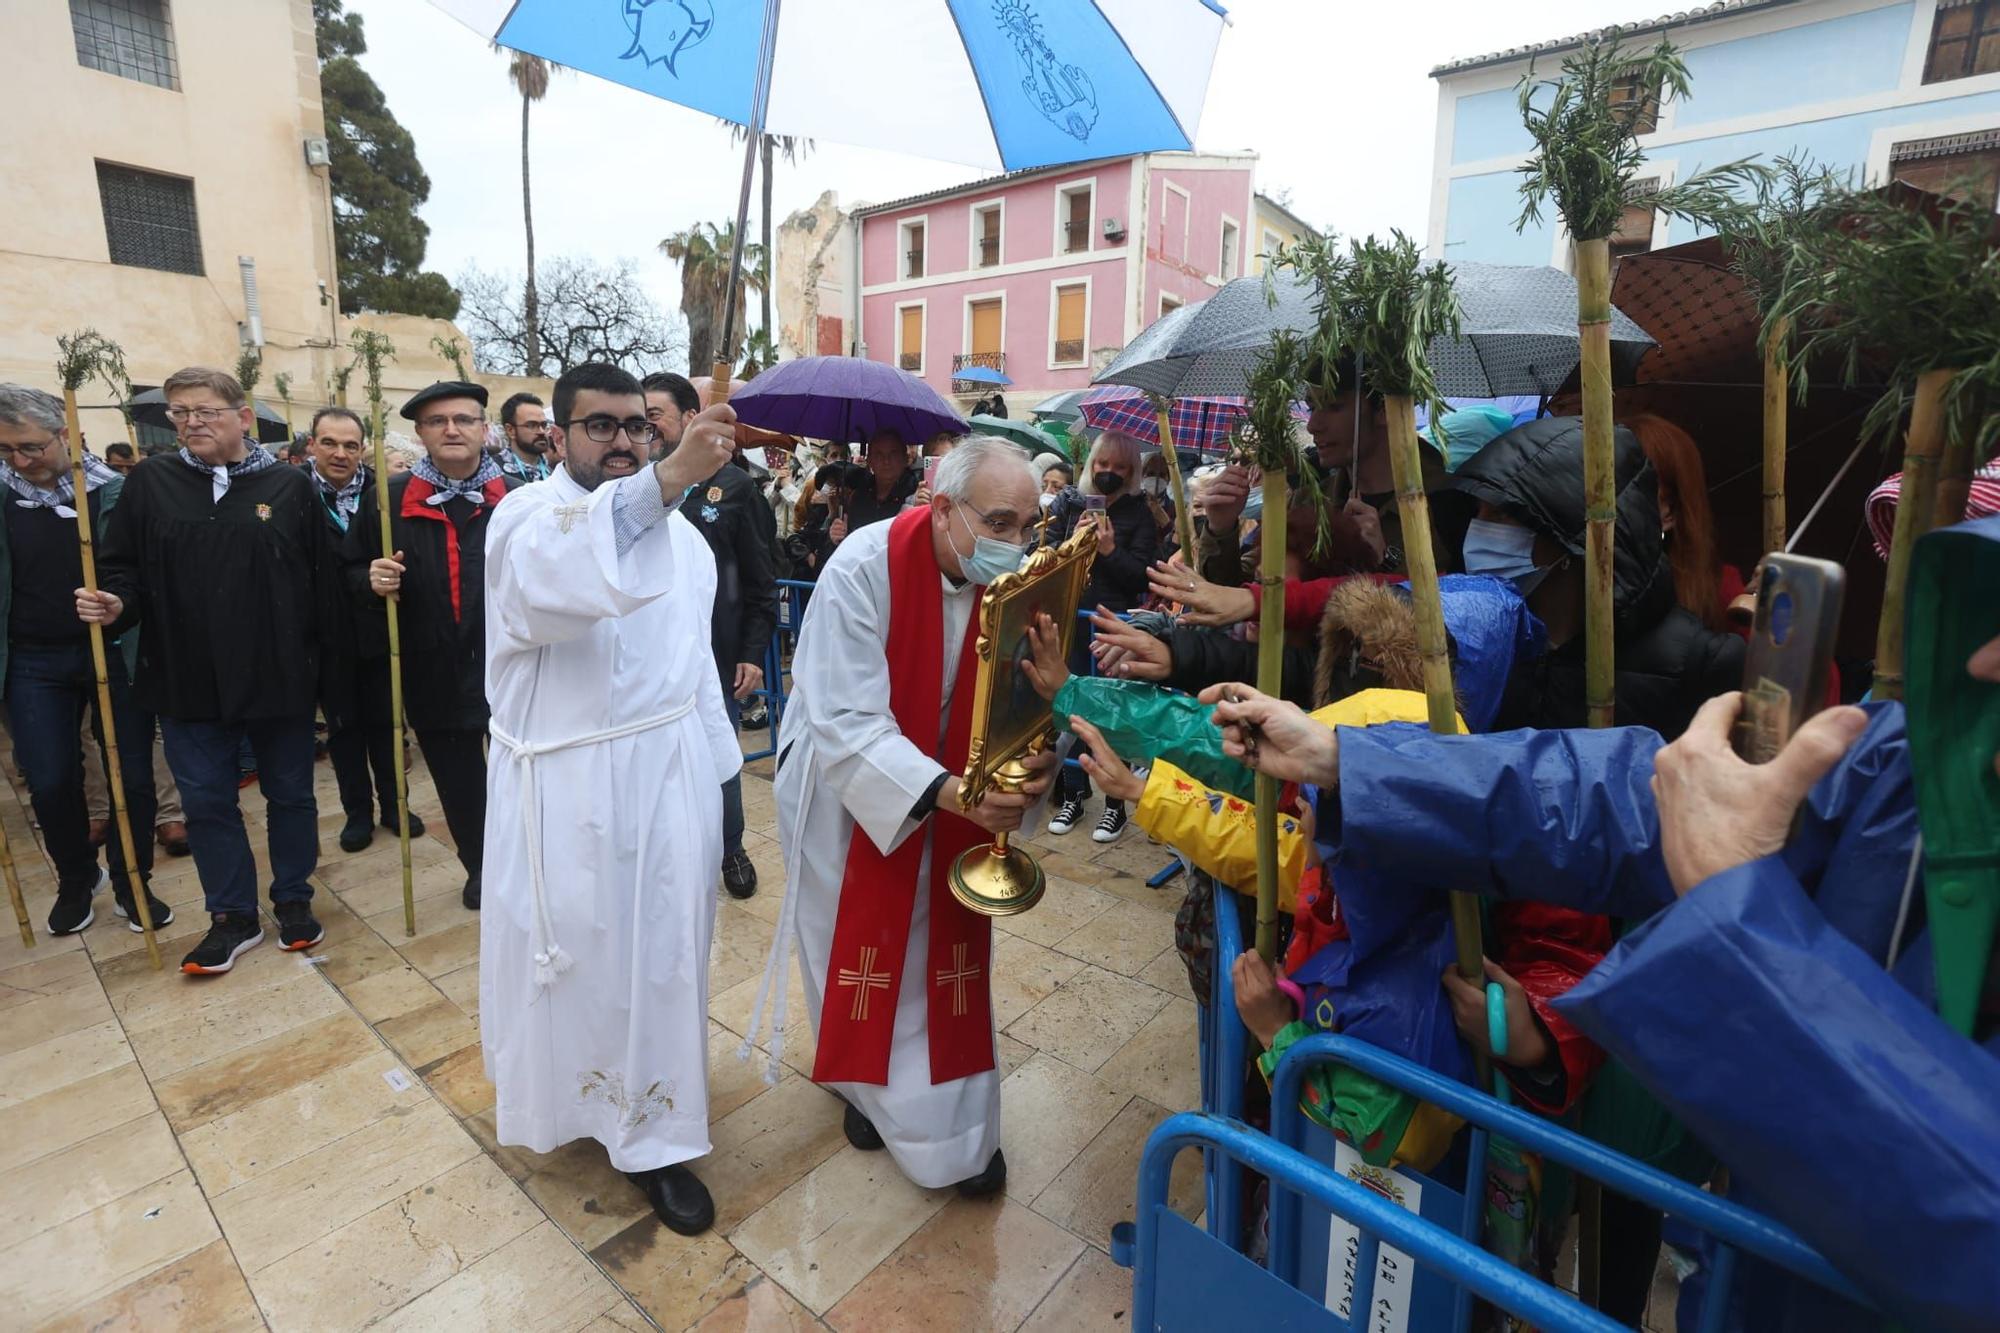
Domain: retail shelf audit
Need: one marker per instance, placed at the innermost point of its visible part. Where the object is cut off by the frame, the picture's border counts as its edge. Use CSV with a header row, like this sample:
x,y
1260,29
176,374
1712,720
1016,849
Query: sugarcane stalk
x,y
1954,482
1593,324
114,769
1777,399
14,892
1183,520
1914,512
1270,680
395,669
719,376
1413,509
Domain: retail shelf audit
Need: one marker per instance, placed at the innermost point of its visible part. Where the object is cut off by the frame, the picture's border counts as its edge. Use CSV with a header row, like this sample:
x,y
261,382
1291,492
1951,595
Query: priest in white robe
x,y
610,745
897,972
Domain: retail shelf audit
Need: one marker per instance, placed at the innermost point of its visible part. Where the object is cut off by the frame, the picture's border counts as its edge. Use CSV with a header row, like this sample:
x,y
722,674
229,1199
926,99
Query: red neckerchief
x,y
416,490
871,931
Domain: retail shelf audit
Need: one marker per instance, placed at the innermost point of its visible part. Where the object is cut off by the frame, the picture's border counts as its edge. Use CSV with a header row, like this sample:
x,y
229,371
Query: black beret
x,y
443,389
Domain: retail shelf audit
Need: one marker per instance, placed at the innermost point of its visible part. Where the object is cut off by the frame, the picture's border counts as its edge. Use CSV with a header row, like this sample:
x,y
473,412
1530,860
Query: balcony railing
x,y
1069,351
913,261
911,361
1076,235
989,251
990,360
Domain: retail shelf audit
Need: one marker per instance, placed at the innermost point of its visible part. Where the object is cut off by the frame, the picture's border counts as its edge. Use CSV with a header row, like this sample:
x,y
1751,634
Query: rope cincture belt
x,y
551,959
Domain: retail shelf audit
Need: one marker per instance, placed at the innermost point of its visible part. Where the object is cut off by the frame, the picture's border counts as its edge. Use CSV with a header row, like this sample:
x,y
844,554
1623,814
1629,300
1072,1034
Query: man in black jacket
x,y
437,574
730,512
220,551
355,694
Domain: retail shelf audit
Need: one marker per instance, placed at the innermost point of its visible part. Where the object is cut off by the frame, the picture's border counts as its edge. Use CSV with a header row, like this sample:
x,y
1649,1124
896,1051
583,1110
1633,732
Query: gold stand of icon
x,y
999,880
1010,725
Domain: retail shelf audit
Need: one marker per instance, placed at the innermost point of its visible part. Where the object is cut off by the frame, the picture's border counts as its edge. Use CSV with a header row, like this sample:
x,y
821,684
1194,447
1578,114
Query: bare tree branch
x,y
586,311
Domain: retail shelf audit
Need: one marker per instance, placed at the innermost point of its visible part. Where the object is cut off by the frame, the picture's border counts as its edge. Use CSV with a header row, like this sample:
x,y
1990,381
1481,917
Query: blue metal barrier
x,y
1733,1226
1184,1280
1228,1060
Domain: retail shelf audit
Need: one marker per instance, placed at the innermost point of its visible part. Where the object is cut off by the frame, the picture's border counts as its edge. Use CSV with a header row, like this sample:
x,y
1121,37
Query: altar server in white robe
x,y
875,732
603,844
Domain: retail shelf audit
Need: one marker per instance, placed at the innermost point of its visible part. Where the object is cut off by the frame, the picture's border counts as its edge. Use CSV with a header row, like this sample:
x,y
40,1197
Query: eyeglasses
x,y
207,416
464,421
1001,523
27,453
603,428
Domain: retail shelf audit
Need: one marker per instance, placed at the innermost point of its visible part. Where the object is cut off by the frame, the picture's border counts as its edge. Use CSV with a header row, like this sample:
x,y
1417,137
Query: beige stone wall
x,y
815,275
249,98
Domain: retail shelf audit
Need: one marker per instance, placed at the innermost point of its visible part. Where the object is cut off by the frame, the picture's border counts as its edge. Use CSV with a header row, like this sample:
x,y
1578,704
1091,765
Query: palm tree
x,y
703,252
530,76
768,147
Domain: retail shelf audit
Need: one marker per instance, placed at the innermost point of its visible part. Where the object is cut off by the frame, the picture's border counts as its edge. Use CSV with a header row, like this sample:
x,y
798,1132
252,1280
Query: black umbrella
x,y
150,409
1519,334
1209,349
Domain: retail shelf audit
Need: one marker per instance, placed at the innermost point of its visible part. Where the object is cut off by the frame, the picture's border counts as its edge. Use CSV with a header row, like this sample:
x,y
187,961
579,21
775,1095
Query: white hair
x,y
1112,448
961,465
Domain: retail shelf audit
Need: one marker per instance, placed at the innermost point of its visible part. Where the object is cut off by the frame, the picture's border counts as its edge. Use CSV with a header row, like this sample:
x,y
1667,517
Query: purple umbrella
x,y
845,398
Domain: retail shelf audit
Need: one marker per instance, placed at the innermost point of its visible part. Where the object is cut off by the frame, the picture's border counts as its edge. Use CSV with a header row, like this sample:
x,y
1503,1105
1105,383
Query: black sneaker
x,y
296,927
738,875
416,824
756,719
357,833
72,911
230,935
1067,813
469,895
1112,824
860,1130
121,904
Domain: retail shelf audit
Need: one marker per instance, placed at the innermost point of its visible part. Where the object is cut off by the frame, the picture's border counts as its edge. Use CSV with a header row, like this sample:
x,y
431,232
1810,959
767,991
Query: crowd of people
x,y
573,666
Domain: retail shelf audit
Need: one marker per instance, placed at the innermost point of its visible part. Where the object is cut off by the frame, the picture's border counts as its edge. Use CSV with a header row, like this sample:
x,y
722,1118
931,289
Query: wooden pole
x,y
1777,400
1183,520
1600,485
1413,508
114,769
1954,482
1914,512
395,669
1270,680
14,892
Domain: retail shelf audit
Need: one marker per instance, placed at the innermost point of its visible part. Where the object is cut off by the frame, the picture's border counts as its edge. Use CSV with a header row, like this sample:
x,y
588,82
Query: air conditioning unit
x,y
318,154
1114,230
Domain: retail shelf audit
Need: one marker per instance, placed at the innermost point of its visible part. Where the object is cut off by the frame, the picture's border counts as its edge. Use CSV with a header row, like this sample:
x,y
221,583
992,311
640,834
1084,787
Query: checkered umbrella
x,y
1197,423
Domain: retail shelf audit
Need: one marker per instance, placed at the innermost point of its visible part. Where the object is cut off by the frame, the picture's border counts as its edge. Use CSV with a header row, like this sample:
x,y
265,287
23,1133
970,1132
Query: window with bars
x,y
133,39
149,219
1642,104
1965,40
987,231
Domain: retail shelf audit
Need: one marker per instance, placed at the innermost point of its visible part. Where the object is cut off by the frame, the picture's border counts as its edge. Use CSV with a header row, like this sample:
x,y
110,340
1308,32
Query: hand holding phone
x,y
1791,651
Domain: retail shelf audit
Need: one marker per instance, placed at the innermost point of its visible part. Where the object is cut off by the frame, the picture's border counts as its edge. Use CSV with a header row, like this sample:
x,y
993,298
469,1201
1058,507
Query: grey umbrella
x,y
1060,406
1519,334
1209,349
150,409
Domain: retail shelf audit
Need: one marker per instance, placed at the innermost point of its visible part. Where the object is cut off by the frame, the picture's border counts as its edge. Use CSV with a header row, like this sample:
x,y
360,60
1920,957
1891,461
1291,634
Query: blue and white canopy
x,y
997,84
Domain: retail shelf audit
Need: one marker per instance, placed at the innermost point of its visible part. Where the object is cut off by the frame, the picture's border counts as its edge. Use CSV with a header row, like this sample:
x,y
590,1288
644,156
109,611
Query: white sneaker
x,y
1112,825
1066,816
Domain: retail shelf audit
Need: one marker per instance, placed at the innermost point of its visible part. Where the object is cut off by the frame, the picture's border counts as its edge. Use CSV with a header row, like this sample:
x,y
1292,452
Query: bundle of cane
x,y
83,355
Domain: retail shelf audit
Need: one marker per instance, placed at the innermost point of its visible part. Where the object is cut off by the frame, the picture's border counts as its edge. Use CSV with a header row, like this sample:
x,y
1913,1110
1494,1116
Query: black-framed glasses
x,y
27,453
603,428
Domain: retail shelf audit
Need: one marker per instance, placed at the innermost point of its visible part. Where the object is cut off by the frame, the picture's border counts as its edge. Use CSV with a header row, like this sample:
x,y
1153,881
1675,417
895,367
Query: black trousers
x,y
457,762
355,750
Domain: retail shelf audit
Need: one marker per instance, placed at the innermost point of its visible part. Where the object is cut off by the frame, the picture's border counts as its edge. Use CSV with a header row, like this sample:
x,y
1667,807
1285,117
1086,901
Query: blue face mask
x,y
1504,551
990,556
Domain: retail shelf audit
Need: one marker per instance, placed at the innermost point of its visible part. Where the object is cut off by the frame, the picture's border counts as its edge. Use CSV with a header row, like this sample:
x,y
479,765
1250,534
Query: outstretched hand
x,y
1114,779
1718,812
1044,667
1127,652
1272,737
1204,603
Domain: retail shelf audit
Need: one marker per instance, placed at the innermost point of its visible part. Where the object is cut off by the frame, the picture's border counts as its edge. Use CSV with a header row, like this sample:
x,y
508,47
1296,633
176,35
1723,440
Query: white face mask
x,y
1155,486
990,556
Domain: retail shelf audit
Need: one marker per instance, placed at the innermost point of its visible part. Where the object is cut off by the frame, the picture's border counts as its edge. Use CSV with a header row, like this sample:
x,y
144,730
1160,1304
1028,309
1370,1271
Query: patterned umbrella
x,y
1519,334
1201,424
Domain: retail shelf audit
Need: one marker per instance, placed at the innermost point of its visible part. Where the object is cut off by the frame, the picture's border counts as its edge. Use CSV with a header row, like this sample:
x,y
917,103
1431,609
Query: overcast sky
x,y
1335,94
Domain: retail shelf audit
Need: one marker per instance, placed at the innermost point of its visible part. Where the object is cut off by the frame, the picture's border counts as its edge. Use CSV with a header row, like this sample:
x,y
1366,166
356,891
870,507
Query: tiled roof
x,y
983,184
1680,18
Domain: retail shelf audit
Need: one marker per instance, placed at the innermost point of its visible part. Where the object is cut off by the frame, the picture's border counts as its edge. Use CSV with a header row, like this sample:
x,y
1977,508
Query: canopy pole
x,y
722,370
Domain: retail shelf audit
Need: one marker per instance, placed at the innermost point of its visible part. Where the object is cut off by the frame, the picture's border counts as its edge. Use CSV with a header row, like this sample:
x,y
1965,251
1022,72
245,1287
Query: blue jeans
x,y
204,760
732,790
49,688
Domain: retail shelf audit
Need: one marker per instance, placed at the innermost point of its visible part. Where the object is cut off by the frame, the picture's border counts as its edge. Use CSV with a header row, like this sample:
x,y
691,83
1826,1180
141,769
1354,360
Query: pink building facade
x,y
1045,274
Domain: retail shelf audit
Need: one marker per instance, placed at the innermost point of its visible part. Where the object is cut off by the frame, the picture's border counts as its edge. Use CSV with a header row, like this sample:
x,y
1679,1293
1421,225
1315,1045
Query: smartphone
x,y
1093,504
1791,651
930,474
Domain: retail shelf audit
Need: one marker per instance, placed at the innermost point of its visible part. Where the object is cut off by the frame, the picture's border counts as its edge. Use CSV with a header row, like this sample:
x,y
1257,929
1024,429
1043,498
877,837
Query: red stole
x,y
871,931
